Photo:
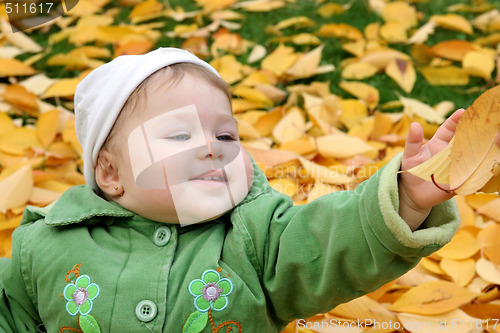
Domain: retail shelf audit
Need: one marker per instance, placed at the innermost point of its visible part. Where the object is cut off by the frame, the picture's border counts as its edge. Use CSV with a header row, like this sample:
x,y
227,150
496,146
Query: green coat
x,y
86,263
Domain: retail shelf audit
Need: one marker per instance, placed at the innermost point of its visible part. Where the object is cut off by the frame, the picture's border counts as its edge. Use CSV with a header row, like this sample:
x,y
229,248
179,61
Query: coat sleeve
x,y
342,245
17,310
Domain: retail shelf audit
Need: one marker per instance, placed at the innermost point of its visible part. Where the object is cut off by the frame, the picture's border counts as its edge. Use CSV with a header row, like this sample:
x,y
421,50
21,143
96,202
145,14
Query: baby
x,y
128,252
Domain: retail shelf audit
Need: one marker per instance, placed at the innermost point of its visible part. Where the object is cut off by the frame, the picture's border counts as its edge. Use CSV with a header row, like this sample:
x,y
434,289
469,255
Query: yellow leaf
x,y
461,246
260,5
452,22
358,71
466,212
475,151
17,140
369,94
422,34
488,271
285,185
62,88
323,112
18,96
5,123
445,76
364,308
330,9
342,146
401,12
296,22
433,298
213,5
489,238
356,48
251,94
308,65
290,127
383,124
403,73
301,146
132,47
415,107
353,112
453,49
380,57
229,68
265,124
394,32
47,126
432,266
461,271
15,190
340,30
40,196
477,63
258,52
493,185
14,67
145,8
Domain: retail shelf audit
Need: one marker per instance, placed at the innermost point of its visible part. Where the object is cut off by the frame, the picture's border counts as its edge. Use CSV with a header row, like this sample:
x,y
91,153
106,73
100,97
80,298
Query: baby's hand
x,y
417,196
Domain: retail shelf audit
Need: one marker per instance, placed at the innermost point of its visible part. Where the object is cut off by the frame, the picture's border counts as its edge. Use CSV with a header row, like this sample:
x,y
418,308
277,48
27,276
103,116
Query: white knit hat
x,y
100,96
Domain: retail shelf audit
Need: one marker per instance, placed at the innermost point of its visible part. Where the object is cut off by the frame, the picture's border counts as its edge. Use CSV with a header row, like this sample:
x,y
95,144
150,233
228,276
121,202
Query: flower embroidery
x,y
210,291
80,295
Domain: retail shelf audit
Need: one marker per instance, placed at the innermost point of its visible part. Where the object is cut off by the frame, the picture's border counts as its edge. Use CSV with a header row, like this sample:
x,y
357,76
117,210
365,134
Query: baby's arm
x,y
417,196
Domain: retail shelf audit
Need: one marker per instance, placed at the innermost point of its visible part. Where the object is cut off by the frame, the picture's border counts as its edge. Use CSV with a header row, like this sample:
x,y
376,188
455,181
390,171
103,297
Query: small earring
x,y
116,188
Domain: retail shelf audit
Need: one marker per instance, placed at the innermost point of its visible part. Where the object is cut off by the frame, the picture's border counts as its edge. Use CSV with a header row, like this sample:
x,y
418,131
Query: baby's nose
x,y
212,150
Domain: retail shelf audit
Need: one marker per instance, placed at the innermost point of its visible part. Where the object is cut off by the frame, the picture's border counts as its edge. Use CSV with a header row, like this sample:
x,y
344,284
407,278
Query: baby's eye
x,y
179,137
225,137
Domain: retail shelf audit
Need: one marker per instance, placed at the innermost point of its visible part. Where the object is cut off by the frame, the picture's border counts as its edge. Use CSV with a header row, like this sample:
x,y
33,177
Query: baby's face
x,y
183,161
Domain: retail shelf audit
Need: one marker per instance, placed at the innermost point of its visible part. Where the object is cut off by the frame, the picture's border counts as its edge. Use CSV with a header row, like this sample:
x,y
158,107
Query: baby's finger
x,y
414,141
446,131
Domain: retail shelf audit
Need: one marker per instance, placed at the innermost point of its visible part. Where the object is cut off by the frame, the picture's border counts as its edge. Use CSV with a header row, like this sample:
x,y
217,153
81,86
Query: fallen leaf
x,y
47,127
358,71
460,271
21,98
433,298
14,67
452,22
415,107
342,146
445,76
488,239
367,93
308,65
290,127
461,246
403,73
340,30
474,152
488,271
15,189
477,63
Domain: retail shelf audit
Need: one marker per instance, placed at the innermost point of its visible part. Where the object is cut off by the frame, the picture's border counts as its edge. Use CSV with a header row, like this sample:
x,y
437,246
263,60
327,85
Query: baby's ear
x,y
106,174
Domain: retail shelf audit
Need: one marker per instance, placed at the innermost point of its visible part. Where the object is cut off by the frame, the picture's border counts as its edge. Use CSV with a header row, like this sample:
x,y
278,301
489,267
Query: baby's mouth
x,y
217,176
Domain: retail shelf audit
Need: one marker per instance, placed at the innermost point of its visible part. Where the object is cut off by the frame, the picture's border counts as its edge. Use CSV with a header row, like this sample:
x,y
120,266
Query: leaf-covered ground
x,y
324,93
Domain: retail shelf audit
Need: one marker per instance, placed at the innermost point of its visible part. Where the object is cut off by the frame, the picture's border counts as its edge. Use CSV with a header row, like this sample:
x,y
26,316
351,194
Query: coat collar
x,y
81,204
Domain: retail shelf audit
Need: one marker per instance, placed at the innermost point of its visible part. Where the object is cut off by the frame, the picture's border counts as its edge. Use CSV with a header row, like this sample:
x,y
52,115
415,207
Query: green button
x,y
145,311
161,236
